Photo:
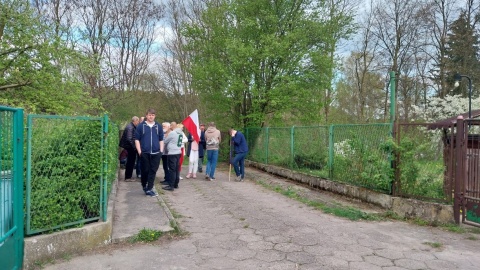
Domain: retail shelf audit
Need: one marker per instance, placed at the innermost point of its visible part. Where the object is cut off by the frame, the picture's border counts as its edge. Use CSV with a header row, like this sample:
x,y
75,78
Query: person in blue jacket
x,y
149,144
202,146
241,150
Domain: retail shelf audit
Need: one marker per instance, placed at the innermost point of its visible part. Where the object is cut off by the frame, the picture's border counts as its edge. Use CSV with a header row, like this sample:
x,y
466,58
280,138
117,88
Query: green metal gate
x,y
11,188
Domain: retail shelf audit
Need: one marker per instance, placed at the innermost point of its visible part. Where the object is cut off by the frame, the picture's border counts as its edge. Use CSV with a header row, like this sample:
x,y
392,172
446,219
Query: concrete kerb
x,y
167,211
169,215
410,208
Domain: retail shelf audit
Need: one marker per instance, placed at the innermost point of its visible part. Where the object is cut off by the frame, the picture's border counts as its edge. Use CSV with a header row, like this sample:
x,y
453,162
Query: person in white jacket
x,y
173,150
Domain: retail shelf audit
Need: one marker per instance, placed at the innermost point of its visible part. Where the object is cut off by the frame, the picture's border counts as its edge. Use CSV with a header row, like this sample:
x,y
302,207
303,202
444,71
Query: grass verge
x,y
334,209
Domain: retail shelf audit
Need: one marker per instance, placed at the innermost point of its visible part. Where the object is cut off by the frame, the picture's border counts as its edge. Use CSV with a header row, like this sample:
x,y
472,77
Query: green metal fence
x,y
413,164
353,154
69,160
11,188
424,169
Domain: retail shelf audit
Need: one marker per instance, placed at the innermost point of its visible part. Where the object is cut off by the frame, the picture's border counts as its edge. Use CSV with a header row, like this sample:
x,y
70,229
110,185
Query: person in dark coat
x,y
138,166
202,146
241,150
127,142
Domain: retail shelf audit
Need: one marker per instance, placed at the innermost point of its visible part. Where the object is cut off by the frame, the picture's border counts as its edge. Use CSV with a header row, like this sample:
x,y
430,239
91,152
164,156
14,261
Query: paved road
x,y
242,225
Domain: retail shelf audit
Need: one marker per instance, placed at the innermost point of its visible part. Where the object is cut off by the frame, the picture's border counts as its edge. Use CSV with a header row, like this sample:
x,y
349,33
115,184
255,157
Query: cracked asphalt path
x,y
242,225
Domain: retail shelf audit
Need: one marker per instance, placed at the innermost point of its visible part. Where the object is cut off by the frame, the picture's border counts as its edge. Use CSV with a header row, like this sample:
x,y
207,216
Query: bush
x,y
420,175
66,171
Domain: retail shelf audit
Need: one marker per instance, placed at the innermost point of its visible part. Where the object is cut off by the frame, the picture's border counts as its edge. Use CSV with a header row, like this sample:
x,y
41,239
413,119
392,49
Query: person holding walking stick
x,y
230,161
241,150
202,148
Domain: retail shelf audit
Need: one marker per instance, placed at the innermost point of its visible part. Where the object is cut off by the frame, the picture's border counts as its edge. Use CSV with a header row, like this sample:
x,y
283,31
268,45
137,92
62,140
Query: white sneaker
x,y
181,178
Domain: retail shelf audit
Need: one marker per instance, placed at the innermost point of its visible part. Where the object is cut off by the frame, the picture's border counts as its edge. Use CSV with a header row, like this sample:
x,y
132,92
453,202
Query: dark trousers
x,y
150,164
238,163
165,167
173,162
200,163
138,167
131,157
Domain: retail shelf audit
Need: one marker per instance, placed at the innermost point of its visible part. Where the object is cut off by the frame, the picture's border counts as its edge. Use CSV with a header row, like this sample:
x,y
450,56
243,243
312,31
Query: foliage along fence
x,y
422,163
360,155
71,164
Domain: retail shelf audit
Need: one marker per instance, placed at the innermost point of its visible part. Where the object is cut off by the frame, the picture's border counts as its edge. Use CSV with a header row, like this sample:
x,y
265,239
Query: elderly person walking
x,y
127,142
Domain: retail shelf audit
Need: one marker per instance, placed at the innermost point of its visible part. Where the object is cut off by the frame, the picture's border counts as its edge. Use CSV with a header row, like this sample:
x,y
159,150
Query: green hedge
x,y
66,169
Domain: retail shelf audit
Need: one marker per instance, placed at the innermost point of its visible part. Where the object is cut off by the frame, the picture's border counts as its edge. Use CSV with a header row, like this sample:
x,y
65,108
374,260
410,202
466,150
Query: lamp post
x,y
457,77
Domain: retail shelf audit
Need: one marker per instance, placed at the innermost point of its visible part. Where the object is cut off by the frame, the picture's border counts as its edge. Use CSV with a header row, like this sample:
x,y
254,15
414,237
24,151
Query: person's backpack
x,y
212,142
121,143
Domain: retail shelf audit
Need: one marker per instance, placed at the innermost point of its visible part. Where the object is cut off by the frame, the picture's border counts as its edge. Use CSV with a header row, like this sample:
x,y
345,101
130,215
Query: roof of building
x,y
449,122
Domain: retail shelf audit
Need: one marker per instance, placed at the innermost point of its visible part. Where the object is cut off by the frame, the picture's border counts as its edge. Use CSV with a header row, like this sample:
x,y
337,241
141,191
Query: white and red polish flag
x,y
192,125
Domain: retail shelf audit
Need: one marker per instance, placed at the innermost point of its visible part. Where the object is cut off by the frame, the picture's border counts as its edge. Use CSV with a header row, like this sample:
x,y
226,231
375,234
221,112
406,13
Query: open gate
x,y
11,188
467,173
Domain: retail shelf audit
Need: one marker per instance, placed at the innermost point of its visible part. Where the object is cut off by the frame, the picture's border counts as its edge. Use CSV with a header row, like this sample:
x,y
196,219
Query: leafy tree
x,y
337,16
262,62
359,90
33,64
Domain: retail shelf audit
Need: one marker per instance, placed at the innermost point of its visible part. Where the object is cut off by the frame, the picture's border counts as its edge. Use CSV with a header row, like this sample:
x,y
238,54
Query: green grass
x,y
475,230
67,256
175,214
354,214
453,228
392,215
334,209
318,173
146,235
472,237
433,244
42,263
176,229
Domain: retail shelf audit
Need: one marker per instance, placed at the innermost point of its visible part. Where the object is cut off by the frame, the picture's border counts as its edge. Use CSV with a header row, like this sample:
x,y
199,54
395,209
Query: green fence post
x,y
18,181
105,167
29,172
266,145
330,152
248,142
292,144
392,155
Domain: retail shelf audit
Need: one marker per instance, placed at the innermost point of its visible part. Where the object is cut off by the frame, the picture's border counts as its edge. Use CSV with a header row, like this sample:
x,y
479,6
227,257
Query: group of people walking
x,y
148,142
